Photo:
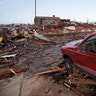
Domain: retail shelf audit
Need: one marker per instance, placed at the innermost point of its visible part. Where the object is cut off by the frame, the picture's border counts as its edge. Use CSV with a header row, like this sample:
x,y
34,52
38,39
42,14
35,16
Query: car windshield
x,y
92,38
89,46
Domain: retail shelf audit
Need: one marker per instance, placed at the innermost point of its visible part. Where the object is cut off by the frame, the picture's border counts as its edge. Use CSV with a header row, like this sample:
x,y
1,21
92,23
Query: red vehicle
x,y
81,53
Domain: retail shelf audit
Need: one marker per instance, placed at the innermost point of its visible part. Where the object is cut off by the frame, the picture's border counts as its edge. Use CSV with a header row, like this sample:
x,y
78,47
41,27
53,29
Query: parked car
x,y
81,53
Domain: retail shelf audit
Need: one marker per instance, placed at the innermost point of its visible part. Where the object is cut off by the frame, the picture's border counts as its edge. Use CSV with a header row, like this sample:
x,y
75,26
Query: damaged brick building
x,y
44,22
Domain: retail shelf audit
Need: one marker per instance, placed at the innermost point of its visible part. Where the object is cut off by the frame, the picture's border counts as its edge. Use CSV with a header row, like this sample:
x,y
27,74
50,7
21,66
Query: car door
x,y
85,55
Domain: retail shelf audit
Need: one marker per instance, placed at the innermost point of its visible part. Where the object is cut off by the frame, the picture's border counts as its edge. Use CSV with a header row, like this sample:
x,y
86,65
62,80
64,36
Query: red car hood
x,y
73,43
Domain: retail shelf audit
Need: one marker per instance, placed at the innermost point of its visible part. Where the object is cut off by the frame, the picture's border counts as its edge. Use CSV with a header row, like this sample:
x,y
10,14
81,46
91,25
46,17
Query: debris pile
x,y
37,55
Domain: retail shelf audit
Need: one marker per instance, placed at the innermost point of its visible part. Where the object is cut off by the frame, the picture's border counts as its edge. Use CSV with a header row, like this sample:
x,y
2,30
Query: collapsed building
x,y
66,25
44,22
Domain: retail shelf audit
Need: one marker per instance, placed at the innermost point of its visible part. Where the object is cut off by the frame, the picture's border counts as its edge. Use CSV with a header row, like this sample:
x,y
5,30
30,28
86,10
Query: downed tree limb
x,y
9,72
49,72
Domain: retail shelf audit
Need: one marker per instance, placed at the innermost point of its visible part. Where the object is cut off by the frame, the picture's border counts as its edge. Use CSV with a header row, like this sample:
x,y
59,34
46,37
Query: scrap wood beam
x,y
49,72
7,72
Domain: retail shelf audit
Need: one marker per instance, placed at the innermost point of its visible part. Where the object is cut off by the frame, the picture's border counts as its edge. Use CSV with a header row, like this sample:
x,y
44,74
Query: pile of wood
x,y
11,71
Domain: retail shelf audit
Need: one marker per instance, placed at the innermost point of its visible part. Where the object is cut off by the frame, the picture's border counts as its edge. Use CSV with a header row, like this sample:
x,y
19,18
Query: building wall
x,y
40,22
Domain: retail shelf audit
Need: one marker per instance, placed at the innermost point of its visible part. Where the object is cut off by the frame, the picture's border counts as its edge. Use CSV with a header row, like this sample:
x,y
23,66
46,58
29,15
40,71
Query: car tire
x,y
68,66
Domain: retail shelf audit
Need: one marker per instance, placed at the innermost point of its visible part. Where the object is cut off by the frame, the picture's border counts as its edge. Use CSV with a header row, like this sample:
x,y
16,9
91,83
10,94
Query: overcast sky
x,y
23,11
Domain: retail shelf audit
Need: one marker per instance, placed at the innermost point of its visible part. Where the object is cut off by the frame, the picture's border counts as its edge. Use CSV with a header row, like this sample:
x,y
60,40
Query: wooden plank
x,y
49,72
7,72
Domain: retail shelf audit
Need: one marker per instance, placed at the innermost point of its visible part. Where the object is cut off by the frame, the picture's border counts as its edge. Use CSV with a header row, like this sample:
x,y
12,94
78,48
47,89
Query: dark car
x,y
81,53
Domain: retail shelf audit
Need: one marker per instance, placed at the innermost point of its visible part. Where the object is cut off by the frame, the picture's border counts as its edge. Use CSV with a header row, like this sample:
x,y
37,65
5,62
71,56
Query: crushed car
x,y
81,53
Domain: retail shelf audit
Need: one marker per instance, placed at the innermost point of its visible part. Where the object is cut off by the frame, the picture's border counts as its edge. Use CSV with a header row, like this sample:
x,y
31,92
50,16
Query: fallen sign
x,y
49,71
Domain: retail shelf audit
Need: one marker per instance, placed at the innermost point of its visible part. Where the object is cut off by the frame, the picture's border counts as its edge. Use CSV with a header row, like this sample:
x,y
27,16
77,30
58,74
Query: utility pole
x,y
35,13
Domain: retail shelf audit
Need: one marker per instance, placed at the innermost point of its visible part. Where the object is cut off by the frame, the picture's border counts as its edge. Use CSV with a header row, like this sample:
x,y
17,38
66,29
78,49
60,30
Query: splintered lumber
x,y
7,56
73,89
83,81
13,71
49,72
7,72
20,40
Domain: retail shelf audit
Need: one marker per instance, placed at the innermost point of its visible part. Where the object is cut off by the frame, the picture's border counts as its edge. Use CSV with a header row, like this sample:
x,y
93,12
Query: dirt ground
x,y
42,56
